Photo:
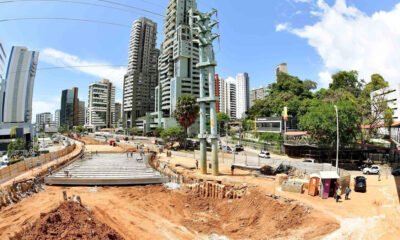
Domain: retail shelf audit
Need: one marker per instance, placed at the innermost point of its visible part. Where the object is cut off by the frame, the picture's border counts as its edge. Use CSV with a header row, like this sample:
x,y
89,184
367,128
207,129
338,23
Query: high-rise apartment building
x,y
43,119
118,114
101,105
82,113
142,76
391,95
3,59
17,89
69,112
242,95
179,55
57,118
257,94
231,99
16,92
222,95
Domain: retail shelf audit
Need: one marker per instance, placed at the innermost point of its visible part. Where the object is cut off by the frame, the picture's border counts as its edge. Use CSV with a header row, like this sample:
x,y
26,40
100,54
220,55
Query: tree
x,y
62,129
320,122
288,91
135,131
186,111
174,134
13,132
348,81
388,119
157,132
16,145
222,119
79,129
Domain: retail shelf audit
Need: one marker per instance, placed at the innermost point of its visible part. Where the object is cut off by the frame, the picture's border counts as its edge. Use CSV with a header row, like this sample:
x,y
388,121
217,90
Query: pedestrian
x,y
379,175
338,193
232,169
197,164
348,190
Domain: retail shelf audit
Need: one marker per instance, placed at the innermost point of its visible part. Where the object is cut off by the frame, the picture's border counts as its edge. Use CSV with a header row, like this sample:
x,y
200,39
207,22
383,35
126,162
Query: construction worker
x,y
379,175
338,193
197,164
232,169
348,190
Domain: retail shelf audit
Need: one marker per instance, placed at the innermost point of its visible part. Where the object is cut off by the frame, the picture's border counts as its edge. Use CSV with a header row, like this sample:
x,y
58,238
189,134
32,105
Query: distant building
x,y
242,94
392,96
101,105
82,113
3,60
142,77
275,124
222,95
69,112
283,67
43,119
257,94
231,99
118,114
57,118
16,93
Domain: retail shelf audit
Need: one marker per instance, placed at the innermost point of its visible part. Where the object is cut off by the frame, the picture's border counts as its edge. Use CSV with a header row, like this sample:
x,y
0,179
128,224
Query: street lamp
x,y
337,139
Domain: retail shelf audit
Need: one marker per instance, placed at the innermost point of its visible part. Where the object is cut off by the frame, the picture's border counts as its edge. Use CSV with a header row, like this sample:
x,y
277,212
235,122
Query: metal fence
x,y
18,168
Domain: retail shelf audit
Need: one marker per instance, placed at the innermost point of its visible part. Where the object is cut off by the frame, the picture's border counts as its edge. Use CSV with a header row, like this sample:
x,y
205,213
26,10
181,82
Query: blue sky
x,y
315,38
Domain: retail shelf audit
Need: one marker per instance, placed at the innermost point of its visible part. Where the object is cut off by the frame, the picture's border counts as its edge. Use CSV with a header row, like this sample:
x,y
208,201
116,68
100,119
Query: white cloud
x,y
39,106
282,27
348,39
99,69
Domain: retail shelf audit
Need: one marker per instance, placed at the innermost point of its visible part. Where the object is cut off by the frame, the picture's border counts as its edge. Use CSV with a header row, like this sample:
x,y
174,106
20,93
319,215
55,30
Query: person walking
x,y
379,175
232,169
197,164
338,193
348,190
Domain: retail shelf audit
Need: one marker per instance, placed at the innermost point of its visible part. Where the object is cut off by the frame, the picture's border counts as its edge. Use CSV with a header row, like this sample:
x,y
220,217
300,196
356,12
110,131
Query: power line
x,y
135,9
64,19
130,6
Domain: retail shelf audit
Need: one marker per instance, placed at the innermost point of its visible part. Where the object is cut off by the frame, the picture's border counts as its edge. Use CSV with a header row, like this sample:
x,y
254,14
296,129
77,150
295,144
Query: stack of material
x,y
210,189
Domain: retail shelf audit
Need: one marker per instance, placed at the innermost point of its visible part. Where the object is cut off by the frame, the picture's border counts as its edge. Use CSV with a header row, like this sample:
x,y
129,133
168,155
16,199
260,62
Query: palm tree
x,y
186,111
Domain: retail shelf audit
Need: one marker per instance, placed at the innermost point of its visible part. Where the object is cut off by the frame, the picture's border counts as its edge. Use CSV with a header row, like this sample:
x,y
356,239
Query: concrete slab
x,y
106,169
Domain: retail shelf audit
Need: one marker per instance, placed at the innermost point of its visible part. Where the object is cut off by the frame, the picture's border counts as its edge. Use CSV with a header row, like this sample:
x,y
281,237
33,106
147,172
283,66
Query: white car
x,y
264,154
374,169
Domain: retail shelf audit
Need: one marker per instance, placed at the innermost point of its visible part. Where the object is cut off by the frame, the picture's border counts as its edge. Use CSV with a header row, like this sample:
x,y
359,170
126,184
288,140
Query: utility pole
x,y
207,63
337,139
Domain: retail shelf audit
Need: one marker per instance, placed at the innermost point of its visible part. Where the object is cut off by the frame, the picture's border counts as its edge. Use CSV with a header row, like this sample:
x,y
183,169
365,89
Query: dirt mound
x,y
256,216
91,141
68,221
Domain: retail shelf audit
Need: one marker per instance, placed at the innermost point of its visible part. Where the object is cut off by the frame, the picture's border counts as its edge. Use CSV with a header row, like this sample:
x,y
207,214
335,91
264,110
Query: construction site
x,y
127,193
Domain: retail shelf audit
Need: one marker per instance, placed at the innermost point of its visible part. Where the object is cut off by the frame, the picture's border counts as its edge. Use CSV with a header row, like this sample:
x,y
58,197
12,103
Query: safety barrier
x,y
30,163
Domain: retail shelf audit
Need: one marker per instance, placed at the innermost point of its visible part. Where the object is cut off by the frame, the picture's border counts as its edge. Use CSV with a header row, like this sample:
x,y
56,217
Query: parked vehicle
x,y
308,160
374,169
364,166
264,154
227,149
239,148
360,184
396,172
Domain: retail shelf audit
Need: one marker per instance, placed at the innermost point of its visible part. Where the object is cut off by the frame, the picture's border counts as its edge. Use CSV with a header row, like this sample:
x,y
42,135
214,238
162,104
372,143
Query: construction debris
x,y
19,190
211,189
71,220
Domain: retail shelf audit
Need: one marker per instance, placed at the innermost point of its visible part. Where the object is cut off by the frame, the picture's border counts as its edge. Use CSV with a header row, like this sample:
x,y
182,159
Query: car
x,y
396,172
308,160
360,184
364,166
264,154
374,169
239,148
227,149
